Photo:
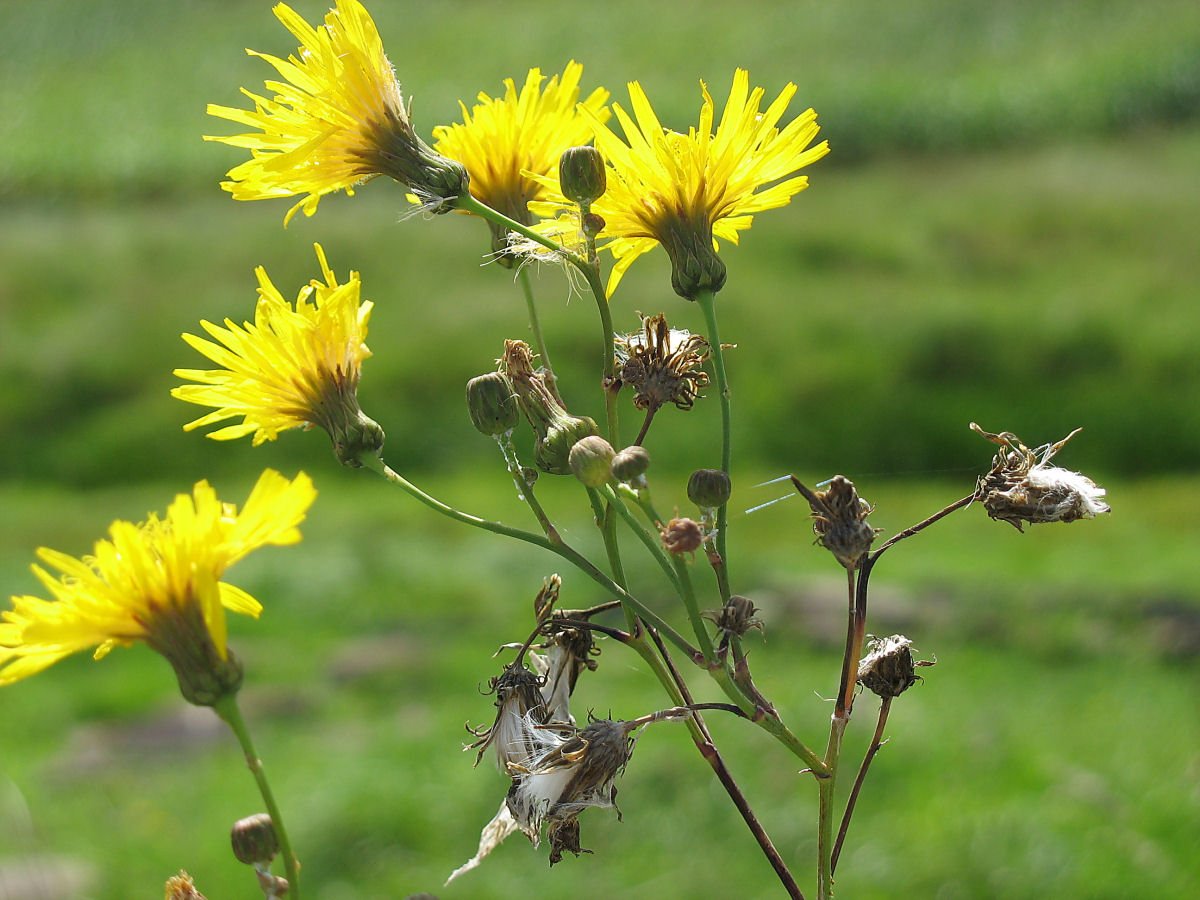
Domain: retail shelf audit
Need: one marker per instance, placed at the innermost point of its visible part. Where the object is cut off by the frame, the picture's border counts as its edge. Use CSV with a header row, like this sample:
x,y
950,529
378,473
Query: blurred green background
x,y
1005,231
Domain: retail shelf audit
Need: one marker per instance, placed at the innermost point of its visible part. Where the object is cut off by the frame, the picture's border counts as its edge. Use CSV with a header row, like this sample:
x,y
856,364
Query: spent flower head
x,y
505,141
662,364
295,366
840,519
1022,486
888,669
337,118
158,582
686,191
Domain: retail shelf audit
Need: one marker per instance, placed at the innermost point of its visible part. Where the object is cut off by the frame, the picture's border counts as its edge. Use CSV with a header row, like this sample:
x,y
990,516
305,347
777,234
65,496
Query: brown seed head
x,y
682,536
888,669
737,616
254,839
662,365
840,520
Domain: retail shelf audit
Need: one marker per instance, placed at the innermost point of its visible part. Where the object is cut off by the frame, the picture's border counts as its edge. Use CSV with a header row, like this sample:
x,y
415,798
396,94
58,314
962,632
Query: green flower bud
x,y
581,174
591,461
553,452
254,839
695,266
492,403
631,464
708,488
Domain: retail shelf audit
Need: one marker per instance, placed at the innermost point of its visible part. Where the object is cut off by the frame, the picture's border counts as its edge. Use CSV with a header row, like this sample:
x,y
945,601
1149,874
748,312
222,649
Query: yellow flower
x,y
503,140
295,366
158,582
684,191
338,118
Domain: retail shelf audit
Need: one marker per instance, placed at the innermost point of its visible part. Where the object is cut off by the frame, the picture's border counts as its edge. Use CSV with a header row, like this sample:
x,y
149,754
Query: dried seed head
x,y
682,536
708,488
519,707
631,464
591,460
564,836
662,365
568,651
888,669
1022,486
492,404
254,839
840,520
736,616
574,772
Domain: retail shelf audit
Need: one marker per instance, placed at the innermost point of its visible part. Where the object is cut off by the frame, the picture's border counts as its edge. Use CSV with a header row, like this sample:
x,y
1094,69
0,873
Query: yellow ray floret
x,y
296,365
337,118
686,191
503,140
144,579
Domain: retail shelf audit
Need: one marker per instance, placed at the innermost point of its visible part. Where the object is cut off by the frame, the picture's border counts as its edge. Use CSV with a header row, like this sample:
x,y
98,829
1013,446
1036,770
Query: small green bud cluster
x,y
581,173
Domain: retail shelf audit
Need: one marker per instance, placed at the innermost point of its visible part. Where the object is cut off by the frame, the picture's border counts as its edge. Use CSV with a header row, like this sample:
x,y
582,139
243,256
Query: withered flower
x,y
840,520
556,429
681,536
736,617
577,769
1022,486
662,364
888,669
519,706
568,651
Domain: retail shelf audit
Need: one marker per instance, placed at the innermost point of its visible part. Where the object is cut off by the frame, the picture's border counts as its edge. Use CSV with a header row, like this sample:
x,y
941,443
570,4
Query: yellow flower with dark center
x,y
296,365
337,118
157,582
503,140
686,191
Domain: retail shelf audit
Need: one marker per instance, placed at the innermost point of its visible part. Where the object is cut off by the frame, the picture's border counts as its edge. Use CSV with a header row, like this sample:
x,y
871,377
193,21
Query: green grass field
x,y
1004,232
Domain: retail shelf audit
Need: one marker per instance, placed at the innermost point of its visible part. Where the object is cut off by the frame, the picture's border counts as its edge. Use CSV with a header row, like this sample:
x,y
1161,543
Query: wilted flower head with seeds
x,y
888,669
1022,486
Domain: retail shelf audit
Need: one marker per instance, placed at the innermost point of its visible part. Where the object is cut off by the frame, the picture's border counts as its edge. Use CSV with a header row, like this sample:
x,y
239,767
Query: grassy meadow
x,y
1005,232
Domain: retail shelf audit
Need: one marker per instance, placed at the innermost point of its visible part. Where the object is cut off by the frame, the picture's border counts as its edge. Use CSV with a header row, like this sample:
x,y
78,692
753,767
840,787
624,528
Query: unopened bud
x,y
254,839
492,404
631,464
591,460
553,452
708,488
682,536
581,173
695,266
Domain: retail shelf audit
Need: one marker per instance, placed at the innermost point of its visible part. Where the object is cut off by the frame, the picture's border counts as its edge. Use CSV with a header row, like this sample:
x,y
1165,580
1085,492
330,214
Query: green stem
x,y
649,539
535,326
693,610
707,302
555,545
524,488
227,709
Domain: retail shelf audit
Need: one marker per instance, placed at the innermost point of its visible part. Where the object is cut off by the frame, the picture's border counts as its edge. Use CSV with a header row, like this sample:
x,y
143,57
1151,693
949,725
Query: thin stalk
x,y
707,303
524,488
718,566
536,328
693,610
649,540
227,709
707,748
650,411
855,632
555,545
885,706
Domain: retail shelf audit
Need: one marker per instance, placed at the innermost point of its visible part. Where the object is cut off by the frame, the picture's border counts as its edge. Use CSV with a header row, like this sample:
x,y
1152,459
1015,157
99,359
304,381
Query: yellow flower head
x,y
295,366
158,582
684,191
503,140
338,118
